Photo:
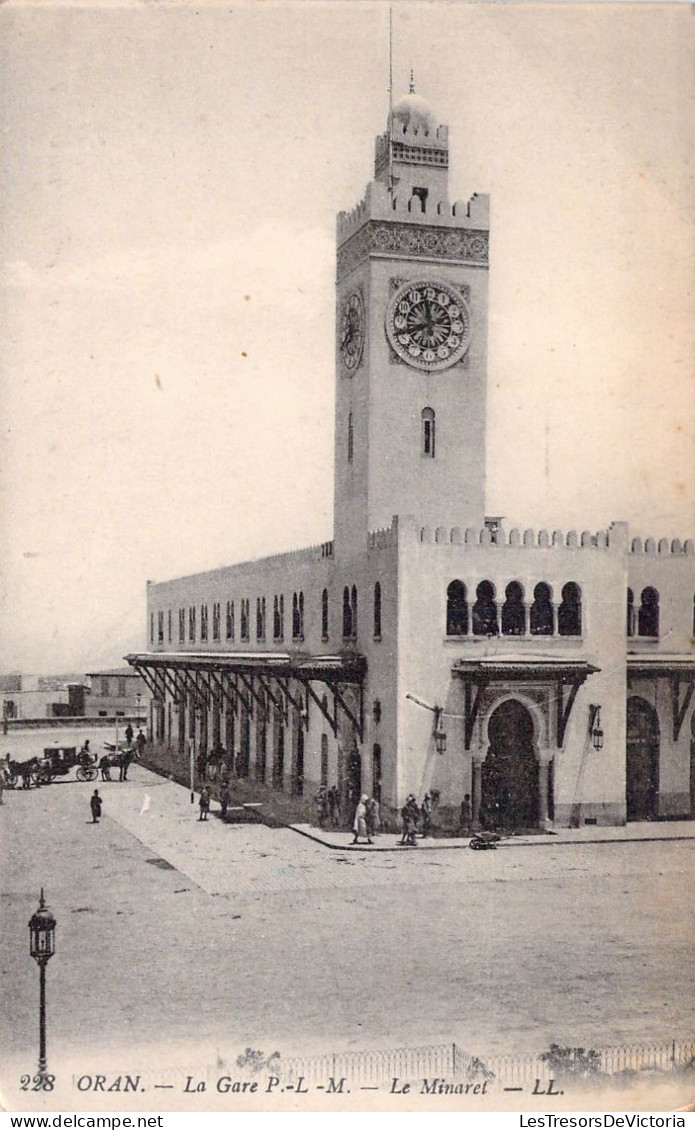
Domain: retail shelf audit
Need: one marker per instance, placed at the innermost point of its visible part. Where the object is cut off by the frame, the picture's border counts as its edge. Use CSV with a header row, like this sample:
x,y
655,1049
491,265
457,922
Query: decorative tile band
x,y
383,237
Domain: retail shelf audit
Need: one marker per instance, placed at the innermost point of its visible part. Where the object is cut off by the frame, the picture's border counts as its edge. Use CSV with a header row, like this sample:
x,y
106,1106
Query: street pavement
x,y
211,937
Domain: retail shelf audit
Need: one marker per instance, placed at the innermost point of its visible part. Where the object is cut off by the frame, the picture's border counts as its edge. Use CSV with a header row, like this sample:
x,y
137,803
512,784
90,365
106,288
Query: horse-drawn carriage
x,y
56,761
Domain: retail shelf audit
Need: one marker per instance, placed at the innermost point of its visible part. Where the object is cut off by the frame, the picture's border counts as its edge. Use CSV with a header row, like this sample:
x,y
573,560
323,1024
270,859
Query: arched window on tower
x,y
456,609
485,611
428,432
347,614
542,611
648,615
353,610
244,619
350,439
324,614
569,614
513,613
203,621
377,611
630,626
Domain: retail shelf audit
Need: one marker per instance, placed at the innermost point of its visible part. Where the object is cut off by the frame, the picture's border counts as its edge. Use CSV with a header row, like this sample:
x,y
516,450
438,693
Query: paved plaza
x,y
210,938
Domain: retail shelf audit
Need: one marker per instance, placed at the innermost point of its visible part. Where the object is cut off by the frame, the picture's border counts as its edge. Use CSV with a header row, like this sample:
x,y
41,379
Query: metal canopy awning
x,y
678,669
256,677
566,676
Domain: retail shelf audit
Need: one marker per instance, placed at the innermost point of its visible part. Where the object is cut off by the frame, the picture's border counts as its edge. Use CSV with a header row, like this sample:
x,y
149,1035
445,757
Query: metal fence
x,y
449,1061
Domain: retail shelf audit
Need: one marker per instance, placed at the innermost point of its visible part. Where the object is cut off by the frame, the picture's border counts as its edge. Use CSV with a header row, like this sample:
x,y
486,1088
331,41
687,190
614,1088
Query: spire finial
x,y
412,81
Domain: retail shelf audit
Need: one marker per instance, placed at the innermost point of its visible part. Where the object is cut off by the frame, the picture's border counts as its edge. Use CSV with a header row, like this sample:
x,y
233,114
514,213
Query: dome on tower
x,y
412,111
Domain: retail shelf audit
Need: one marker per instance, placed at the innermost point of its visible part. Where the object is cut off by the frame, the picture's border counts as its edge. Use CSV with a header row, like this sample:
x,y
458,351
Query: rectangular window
x,y
182,625
104,688
160,627
121,688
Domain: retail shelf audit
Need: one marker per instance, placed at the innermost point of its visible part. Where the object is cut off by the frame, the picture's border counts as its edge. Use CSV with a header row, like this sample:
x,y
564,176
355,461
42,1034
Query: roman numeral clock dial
x,y
428,325
352,332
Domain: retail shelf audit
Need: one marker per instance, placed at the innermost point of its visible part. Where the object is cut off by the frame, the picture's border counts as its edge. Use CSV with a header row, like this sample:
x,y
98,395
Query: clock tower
x,y
411,348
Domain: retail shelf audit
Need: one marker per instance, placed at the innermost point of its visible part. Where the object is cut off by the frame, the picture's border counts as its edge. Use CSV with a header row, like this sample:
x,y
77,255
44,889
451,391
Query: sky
x,y
169,186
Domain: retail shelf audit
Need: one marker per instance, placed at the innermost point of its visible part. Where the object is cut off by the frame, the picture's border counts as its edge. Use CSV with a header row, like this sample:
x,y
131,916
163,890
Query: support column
x,y
477,791
527,618
544,820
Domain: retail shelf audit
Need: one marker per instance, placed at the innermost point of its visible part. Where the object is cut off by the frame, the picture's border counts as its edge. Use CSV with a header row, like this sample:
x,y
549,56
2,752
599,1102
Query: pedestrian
x,y
465,816
405,822
3,783
201,764
141,742
330,796
204,803
105,767
413,821
359,826
129,734
224,800
95,805
373,817
426,812
321,802
25,771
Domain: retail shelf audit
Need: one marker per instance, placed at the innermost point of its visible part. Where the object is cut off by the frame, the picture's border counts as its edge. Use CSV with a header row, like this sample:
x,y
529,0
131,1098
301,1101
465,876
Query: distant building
x,y
547,673
117,689
42,696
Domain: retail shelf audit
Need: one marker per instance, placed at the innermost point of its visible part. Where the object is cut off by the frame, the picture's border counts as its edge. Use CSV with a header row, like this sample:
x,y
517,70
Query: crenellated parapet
x,y
383,538
379,203
290,559
515,538
663,547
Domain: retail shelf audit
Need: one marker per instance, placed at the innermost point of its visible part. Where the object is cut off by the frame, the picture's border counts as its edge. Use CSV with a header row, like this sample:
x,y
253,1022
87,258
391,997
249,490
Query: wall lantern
x,y
376,710
439,734
595,726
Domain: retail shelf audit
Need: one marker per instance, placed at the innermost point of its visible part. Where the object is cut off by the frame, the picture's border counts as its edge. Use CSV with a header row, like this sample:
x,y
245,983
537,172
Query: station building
x,y
547,673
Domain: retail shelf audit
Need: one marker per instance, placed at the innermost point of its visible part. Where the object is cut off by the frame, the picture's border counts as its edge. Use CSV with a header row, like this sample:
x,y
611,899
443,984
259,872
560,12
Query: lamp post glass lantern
x,y
42,926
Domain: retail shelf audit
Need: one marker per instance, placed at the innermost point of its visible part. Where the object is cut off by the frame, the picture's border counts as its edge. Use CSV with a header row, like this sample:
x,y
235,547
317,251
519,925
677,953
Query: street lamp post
x,y
139,700
42,926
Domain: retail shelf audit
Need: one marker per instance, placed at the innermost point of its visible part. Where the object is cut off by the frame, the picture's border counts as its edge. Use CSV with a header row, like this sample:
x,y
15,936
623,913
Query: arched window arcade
x,y
513,611
648,615
456,609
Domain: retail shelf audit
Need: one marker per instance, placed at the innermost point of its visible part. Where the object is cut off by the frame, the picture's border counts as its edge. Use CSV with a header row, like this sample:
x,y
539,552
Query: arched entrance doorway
x,y
642,791
510,771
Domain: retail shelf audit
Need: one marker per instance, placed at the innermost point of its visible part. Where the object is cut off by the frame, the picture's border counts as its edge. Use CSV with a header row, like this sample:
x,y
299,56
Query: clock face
x,y
428,325
352,332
